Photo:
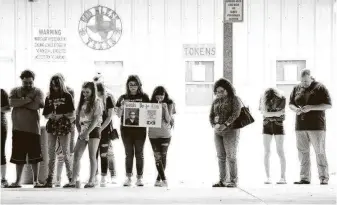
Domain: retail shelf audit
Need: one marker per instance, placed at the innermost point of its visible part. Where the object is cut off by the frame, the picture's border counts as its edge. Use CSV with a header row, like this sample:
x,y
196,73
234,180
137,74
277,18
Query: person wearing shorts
x,y
26,101
88,123
272,107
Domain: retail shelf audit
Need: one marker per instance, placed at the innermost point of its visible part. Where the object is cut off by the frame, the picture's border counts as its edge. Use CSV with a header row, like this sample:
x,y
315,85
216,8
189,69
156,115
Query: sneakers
x,y
157,183
58,183
164,183
127,181
49,183
268,181
324,182
113,180
282,181
4,183
302,182
103,181
219,184
139,181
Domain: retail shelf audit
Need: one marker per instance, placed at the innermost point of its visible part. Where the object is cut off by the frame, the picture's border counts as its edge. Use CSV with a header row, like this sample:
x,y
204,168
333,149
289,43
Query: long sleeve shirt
x,y
225,110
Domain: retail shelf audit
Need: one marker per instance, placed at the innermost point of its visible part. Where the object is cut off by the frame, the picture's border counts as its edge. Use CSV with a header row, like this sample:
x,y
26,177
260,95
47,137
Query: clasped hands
x,y
303,109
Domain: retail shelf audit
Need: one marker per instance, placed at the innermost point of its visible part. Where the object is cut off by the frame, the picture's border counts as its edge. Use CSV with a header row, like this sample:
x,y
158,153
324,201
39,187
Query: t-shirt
x,y
315,94
71,91
58,104
109,104
277,104
25,119
133,98
4,102
165,130
86,118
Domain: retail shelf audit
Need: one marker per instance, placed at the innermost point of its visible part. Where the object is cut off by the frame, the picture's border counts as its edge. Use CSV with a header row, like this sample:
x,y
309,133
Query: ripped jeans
x,y
160,147
105,150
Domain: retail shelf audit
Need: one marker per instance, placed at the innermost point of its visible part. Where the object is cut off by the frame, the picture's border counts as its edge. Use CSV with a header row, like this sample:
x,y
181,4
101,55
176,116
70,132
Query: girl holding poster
x,y
160,137
133,137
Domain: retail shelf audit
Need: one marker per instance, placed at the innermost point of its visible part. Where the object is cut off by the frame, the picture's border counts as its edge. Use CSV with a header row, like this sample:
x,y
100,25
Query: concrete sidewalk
x,y
265,194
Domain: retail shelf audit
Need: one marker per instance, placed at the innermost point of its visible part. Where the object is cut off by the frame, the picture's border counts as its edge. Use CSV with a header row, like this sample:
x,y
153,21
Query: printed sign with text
x,y
49,44
233,11
137,114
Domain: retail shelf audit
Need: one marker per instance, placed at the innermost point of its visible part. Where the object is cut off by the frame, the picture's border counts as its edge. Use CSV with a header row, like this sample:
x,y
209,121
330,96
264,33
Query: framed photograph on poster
x,y
137,114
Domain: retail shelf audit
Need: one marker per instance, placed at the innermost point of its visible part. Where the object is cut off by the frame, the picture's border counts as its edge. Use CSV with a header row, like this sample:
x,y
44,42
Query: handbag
x,y
244,119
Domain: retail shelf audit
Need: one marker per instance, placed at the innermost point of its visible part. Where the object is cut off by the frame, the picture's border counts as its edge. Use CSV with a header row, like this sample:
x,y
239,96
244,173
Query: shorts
x,y
23,144
95,133
273,128
3,143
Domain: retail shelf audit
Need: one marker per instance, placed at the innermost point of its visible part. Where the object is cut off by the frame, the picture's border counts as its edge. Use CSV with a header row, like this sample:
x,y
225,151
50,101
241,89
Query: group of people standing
x,y
94,124
308,100
93,121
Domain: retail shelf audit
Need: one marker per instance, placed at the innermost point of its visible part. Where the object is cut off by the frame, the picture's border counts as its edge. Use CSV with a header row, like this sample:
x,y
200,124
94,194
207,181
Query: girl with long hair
x,y
107,156
272,107
88,123
59,110
160,138
224,111
133,137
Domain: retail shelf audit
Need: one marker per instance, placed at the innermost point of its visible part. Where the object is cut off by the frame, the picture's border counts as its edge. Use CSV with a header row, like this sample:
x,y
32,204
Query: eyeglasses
x,y
220,92
133,85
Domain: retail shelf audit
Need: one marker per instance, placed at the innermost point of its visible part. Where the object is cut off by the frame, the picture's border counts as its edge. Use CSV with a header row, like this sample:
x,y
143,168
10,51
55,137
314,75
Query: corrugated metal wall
x,y
284,29
154,32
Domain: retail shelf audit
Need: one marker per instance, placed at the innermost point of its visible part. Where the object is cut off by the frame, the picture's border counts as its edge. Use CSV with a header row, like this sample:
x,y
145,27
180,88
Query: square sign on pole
x,y
233,11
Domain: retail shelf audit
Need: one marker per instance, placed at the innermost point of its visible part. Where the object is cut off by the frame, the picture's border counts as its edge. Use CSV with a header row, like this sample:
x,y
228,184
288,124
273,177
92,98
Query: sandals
x,y
69,185
219,184
14,185
89,185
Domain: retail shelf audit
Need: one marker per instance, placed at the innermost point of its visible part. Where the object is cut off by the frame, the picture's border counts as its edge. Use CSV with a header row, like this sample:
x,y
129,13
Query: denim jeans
x,y
64,143
106,152
317,139
134,147
160,148
226,144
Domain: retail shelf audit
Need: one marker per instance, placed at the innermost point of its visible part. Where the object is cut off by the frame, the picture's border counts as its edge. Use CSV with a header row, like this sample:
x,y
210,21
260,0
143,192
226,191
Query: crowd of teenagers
x,y
93,121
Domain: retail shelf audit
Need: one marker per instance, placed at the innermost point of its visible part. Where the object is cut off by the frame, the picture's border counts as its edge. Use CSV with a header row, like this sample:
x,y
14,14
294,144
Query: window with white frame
x,y
199,80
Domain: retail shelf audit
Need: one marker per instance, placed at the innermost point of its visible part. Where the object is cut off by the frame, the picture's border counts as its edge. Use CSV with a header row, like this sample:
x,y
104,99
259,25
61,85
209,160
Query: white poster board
x,y
49,44
137,114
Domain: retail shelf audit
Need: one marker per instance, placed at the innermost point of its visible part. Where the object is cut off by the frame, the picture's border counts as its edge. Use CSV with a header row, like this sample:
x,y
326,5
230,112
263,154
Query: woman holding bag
x,y
225,110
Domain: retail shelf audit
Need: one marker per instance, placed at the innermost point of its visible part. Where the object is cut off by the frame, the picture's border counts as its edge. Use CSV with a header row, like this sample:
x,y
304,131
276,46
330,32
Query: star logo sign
x,y
100,28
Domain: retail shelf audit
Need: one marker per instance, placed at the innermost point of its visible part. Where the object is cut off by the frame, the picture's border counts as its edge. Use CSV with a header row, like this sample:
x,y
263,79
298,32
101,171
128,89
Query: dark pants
x,y
160,147
3,143
105,150
134,147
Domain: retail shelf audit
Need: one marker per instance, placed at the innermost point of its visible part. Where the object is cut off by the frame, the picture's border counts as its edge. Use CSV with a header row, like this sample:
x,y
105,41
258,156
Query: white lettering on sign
x,y
49,45
233,11
199,50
